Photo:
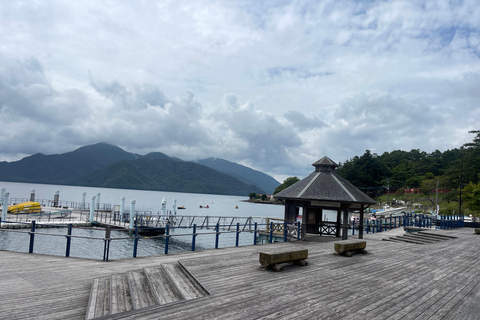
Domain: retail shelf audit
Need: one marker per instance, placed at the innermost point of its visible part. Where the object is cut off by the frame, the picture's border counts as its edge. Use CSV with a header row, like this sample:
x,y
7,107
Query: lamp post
x,y
461,181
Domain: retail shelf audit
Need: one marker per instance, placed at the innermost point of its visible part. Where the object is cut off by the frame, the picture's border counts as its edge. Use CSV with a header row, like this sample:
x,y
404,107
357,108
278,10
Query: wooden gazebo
x,y
322,190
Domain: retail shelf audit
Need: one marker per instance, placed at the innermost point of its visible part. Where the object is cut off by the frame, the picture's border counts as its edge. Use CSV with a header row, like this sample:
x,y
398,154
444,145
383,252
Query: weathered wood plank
x,y
140,290
121,300
395,280
188,288
162,286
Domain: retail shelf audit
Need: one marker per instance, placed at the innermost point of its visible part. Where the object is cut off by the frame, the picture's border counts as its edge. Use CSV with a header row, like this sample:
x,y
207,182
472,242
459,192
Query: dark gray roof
x,y
325,185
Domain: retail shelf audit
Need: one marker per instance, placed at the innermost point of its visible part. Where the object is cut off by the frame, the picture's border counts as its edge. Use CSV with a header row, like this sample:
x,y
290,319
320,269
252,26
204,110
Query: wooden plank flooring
x,y
395,280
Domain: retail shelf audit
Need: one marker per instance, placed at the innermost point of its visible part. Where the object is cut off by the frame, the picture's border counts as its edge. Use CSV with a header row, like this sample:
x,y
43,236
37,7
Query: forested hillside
x,y
400,170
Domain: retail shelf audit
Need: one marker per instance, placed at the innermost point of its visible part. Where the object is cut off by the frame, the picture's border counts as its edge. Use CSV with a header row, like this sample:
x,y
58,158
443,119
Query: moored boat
x,y
25,207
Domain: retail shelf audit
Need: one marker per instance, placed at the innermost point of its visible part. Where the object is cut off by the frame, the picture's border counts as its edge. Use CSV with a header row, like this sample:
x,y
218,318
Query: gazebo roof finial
x,y
325,164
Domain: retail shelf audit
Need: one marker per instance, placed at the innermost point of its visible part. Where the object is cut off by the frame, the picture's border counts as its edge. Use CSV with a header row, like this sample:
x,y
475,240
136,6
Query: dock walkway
x,y
394,280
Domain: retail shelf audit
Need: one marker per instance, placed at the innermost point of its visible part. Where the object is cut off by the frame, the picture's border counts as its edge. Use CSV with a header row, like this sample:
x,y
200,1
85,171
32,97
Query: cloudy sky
x,y
274,85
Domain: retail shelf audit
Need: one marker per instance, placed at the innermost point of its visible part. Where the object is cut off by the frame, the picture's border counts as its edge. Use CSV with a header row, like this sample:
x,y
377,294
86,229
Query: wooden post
x,y
32,195
345,225
304,222
339,219
106,244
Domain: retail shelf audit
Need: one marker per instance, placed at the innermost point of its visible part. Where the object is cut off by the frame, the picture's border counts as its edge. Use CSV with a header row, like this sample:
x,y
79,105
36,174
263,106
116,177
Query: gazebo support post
x,y
304,221
339,226
344,208
360,226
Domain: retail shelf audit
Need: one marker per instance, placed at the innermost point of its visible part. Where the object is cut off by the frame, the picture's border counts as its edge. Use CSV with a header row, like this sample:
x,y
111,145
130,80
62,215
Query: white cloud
x,y
272,85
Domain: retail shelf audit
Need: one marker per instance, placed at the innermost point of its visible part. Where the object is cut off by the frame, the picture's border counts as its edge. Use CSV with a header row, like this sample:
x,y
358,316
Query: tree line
x,y
400,170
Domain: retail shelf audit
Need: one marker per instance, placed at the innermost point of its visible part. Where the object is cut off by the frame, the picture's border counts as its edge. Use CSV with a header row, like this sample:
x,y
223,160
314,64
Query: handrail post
x,y
106,244
237,234
255,235
194,236
32,237
285,231
353,227
135,242
298,230
271,232
69,240
217,235
368,227
167,238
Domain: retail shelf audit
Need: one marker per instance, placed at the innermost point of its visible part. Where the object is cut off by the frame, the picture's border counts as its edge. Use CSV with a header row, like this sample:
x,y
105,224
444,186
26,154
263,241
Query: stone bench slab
x,y
269,259
347,247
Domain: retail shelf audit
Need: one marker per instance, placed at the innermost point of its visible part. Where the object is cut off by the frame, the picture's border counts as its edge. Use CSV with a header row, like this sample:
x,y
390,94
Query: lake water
x,y
219,205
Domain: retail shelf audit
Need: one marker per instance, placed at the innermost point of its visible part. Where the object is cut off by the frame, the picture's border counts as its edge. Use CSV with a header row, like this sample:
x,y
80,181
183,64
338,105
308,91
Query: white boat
x,y
388,211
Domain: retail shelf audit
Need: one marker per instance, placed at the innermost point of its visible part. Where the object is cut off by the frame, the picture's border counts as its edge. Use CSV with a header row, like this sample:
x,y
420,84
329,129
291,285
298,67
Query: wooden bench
x,y
277,260
349,247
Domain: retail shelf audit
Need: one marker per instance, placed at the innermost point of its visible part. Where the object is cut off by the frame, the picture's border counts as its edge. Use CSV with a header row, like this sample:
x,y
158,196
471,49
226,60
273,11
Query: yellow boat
x,y
25,207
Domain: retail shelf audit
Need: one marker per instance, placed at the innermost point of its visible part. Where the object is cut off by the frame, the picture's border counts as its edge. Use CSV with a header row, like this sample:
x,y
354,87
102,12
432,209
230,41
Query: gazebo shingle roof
x,y
324,184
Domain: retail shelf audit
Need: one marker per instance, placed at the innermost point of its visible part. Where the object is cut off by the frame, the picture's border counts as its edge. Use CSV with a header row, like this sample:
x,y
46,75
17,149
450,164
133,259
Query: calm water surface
x,y
145,201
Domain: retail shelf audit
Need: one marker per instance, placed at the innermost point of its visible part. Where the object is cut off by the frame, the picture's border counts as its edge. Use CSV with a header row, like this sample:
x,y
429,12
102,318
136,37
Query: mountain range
x,y
109,166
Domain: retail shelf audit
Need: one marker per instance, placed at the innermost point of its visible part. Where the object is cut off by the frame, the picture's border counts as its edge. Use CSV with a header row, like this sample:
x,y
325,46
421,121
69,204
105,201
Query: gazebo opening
x,y
324,190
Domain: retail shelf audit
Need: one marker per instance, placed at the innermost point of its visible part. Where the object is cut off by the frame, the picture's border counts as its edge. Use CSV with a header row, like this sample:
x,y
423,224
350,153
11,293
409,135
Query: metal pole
x,y
122,209
98,201
194,236
69,240
164,206
5,205
271,232
2,195
56,198
84,197
106,246
132,214
237,235
217,235
135,243
32,237
92,209
255,235
461,182
167,238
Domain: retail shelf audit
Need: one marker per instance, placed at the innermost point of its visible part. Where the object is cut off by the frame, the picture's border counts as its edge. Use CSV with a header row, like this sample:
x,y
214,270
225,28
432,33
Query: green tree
x,y
252,195
428,187
286,183
472,196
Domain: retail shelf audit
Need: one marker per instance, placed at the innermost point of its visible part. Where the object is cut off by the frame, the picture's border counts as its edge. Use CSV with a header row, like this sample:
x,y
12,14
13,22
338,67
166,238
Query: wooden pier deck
x,y
395,280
